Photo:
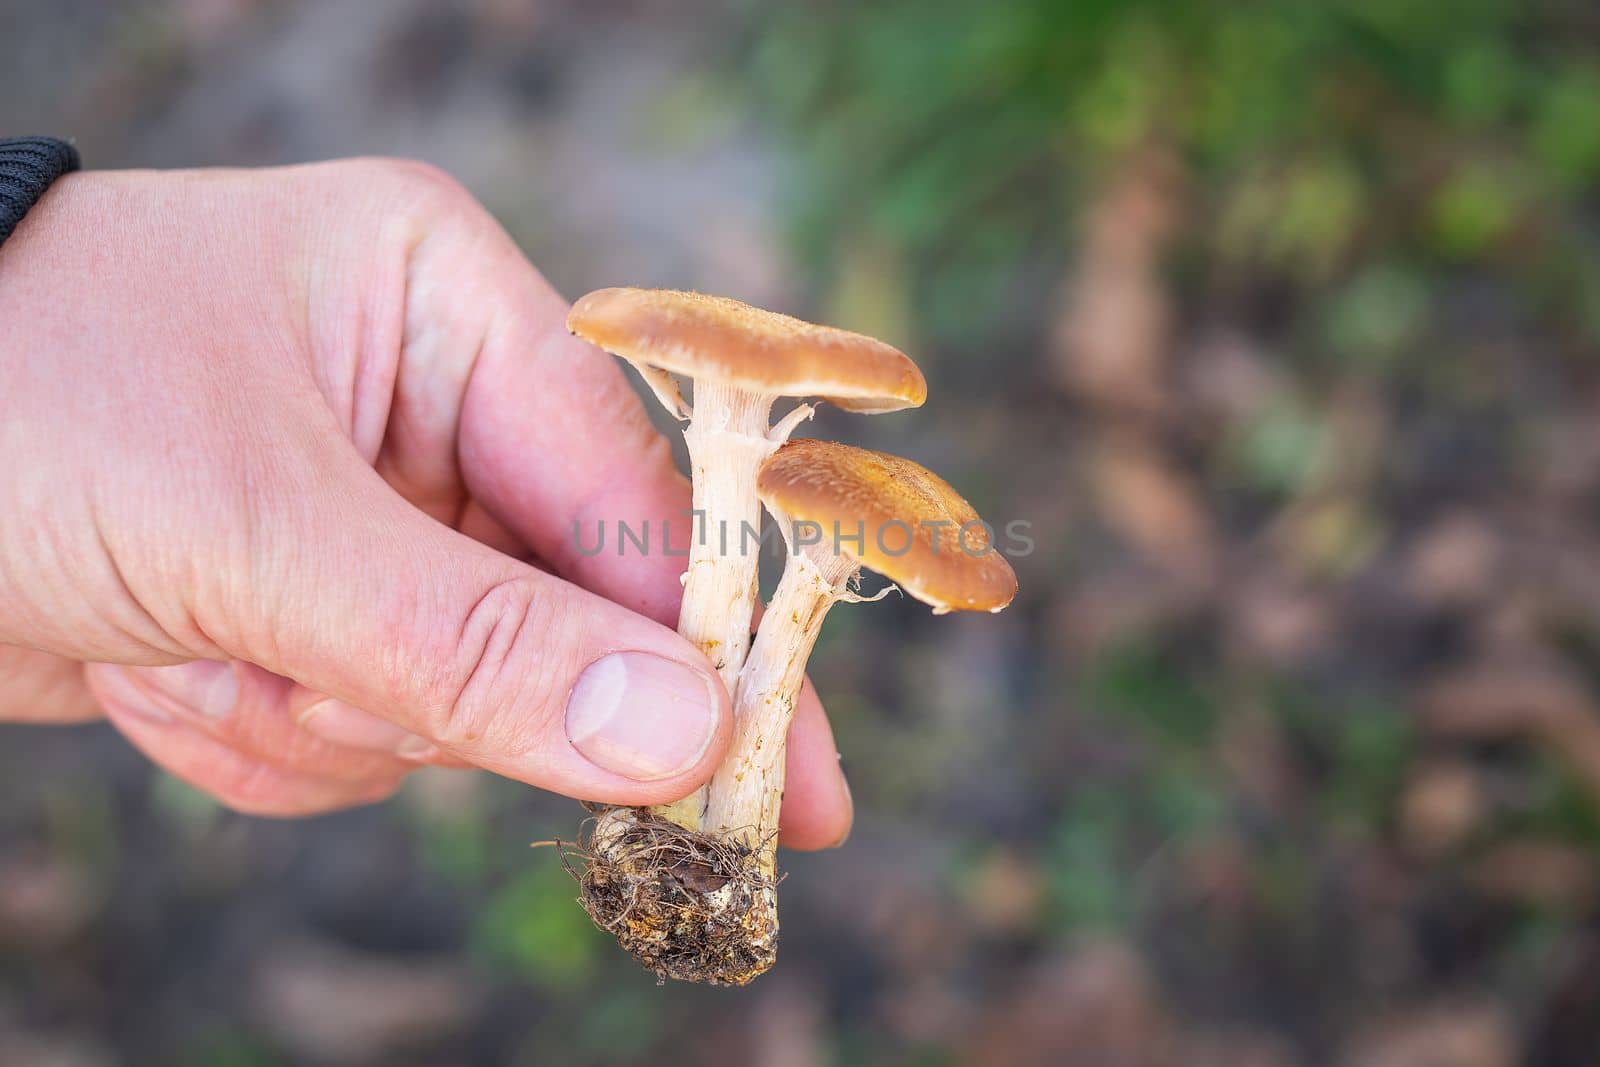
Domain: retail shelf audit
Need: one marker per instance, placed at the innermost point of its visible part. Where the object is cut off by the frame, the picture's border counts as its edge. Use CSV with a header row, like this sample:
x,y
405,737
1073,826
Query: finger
x,y
237,780
351,592
817,809
36,687
341,724
246,709
545,430
569,479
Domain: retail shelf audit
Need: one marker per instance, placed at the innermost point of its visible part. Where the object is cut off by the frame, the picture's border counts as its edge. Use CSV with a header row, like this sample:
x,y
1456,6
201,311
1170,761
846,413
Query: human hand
x,y
281,445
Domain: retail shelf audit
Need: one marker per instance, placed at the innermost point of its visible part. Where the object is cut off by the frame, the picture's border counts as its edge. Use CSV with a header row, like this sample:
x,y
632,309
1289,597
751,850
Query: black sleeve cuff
x,y
27,167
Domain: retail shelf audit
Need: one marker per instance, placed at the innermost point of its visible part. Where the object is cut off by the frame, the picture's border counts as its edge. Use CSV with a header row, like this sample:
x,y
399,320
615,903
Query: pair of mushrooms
x,y
690,889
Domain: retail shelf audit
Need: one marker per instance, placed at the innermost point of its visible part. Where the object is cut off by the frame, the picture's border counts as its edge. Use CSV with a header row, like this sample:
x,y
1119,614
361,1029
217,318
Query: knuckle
x,y
415,175
423,181
411,195
507,656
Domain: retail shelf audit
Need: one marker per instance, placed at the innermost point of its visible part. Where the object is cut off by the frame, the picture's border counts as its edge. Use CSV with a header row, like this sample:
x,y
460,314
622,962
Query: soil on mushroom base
x,y
686,905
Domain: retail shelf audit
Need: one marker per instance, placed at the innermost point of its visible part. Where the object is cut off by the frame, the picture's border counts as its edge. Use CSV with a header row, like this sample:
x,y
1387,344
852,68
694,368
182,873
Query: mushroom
x,y
740,359
714,917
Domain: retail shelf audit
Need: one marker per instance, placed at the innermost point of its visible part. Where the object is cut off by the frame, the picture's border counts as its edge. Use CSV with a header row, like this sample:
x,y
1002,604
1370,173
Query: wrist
x,y
28,166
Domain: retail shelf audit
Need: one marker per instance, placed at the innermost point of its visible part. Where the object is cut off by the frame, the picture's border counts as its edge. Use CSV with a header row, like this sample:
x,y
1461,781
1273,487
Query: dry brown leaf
x,y
335,1004
1092,1007
1442,804
1144,498
1549,874
1454,1035
1453,562
1109,341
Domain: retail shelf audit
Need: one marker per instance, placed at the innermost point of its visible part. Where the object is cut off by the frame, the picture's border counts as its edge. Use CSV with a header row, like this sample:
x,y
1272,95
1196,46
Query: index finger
x,y
554,442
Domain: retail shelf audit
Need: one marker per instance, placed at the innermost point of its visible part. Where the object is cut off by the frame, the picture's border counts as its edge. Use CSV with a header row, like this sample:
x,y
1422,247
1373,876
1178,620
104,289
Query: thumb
x,y
357,595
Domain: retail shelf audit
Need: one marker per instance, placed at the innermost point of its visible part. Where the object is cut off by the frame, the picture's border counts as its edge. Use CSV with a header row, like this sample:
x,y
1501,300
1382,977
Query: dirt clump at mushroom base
x,y
687,905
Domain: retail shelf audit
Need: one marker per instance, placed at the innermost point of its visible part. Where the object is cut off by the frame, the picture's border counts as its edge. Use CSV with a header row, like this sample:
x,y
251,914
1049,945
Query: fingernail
x,y
342,724
123,695
642,716
204,687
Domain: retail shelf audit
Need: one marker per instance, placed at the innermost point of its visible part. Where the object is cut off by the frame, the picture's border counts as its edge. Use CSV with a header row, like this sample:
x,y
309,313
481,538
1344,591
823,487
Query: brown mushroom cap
x,y
715,338
893,501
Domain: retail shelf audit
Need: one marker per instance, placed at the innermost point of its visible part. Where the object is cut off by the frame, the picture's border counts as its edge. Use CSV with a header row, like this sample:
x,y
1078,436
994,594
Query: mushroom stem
x,y
747,790
728,438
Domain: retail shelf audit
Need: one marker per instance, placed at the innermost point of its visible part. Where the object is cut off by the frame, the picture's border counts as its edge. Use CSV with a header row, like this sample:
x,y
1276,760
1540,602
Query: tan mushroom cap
x,y
894,502
715,338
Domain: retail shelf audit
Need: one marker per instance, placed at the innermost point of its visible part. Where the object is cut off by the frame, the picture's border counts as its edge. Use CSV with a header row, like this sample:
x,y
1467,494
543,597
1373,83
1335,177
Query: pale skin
x,y
269,437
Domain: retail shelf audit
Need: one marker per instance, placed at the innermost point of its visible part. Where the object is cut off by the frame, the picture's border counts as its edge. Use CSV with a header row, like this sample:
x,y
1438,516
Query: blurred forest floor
x,y
1277,323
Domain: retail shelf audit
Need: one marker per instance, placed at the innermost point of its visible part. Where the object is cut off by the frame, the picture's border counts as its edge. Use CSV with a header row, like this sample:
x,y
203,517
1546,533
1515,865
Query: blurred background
x,y
1278,321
